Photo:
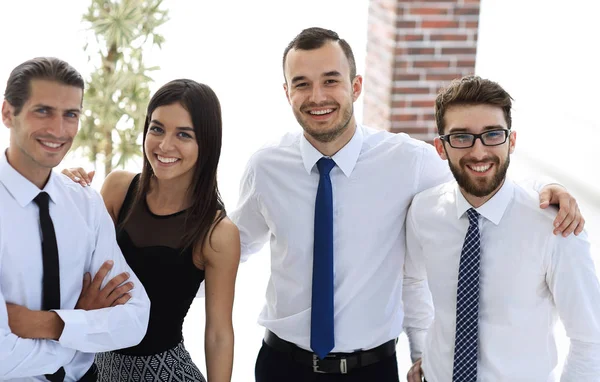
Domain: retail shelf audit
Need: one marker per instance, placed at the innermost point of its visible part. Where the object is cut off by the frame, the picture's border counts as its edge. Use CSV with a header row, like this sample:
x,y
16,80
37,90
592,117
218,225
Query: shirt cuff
x,y
416,341
75,327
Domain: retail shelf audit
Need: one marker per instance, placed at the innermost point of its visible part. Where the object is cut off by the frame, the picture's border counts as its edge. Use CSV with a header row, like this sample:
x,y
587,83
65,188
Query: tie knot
x,y
42,199
473,216
325,165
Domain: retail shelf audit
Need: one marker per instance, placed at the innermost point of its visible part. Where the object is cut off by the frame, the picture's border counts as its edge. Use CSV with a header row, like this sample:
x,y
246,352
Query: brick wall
x,y
413,49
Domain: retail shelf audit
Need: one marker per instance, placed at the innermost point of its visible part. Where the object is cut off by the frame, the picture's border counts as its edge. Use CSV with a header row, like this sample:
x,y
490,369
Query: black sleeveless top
x,y
152,247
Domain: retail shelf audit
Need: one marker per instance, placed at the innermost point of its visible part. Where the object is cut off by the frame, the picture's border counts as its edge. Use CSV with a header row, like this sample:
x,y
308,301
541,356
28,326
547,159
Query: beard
x,y
330,134
479,187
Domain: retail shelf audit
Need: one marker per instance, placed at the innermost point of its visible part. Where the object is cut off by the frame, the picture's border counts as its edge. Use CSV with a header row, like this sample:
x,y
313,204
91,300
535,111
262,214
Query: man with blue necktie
x,y
497,275
332,200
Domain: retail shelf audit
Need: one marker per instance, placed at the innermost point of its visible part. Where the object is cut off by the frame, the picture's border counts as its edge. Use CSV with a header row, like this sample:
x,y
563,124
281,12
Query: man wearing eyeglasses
x,y
497,276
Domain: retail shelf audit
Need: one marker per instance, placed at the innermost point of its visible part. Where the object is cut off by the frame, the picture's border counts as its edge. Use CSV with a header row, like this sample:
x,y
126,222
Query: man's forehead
x,y
326,59
55,94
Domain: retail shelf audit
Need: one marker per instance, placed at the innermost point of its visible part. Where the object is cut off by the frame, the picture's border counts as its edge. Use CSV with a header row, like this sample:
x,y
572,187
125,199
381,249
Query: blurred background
x,y
544,53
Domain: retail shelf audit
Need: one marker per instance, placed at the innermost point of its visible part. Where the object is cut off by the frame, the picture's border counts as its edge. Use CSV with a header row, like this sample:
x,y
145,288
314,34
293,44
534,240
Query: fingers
x,y
90,176
114,283
415,374
101,274
580,226
566,215
544,199
79,175
119,292
122,300
87,280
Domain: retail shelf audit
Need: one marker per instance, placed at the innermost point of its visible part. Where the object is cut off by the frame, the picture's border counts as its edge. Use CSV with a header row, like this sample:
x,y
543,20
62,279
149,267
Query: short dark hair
x,y
18,86
314,38
471,90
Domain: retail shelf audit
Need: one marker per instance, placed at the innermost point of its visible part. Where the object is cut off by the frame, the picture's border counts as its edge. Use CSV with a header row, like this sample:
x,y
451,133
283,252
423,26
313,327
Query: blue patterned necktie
x,y
467,305
321,319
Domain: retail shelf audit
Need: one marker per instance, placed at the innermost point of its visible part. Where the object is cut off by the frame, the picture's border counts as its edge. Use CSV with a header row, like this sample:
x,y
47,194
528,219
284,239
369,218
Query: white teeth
x,y
51,144
167,160
480,168
321,112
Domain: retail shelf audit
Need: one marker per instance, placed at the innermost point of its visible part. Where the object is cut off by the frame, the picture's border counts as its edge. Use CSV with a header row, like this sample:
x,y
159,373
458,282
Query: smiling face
x,y
43,130
319,89
170,144
479,170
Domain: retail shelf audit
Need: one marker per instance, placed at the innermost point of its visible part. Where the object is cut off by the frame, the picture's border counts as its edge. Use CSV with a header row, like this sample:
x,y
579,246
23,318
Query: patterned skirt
x,y
173,365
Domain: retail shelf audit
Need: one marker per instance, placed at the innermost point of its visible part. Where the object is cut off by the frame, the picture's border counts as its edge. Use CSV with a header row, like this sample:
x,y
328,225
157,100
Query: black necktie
x,y
51,278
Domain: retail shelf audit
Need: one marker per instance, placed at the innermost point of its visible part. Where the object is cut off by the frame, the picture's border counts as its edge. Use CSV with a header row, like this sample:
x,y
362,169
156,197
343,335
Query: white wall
x,y
546,54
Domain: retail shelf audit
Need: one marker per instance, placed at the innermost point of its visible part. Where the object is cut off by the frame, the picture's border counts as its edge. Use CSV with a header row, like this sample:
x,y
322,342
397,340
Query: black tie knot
x,y
42,200
325,165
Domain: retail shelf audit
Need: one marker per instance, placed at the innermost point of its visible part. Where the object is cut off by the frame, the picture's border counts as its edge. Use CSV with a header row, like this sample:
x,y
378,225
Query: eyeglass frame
x,y
446,138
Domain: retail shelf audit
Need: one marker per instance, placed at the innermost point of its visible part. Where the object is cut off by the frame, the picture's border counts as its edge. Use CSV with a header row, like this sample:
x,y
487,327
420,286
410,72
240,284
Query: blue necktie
x,y
321,320
467,305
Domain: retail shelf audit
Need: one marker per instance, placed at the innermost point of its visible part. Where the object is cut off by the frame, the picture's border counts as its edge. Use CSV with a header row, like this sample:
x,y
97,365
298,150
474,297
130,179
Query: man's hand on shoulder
x,y
114,293
569,218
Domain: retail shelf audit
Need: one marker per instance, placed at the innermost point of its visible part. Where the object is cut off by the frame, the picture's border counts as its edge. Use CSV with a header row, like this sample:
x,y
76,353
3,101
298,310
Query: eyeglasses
x,y
466,140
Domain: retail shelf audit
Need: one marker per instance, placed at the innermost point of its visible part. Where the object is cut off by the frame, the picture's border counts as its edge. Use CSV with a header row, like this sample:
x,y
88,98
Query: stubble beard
x,y
330,134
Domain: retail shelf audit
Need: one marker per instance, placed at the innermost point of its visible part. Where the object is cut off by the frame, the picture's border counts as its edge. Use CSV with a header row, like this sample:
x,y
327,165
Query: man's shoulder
x,y
79,195
275,150
377,137
445,192
526,201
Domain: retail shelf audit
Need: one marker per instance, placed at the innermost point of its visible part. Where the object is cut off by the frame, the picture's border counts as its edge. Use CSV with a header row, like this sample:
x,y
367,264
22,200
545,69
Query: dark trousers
x,y
273,366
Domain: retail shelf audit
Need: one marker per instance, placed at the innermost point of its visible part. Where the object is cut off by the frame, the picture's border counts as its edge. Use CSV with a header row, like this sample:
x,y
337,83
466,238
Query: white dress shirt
x,y
85,235
376,176
527,276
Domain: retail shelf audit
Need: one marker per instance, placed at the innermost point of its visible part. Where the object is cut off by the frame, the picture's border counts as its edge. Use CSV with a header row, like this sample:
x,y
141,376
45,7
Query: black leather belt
x,y
338,363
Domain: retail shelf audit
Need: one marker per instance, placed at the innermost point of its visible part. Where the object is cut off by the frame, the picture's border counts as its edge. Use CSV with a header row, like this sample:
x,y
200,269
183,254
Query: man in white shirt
x,y
337,188
52,232
497,275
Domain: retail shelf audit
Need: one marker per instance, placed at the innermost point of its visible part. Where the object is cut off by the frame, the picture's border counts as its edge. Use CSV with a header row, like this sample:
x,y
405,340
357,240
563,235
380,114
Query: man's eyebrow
x,y
465,130
298,78
333,73
41,105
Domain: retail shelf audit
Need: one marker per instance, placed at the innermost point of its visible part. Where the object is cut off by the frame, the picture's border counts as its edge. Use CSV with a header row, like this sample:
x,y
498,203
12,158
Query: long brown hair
x,y
207,208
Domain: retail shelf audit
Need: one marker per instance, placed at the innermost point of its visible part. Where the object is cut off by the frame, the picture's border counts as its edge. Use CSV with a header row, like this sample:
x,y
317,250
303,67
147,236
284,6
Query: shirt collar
x,y
21,189
493,209
345,159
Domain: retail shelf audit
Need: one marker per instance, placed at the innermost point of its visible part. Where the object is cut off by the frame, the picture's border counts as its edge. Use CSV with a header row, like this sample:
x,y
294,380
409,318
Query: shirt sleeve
x,y
572,280
418,303
254,231
433,171
21,357
109,328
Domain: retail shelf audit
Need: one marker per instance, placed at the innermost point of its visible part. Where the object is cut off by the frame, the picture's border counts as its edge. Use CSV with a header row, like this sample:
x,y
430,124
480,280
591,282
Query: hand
x,y
569,218
94,297
34,324
79,175
415,374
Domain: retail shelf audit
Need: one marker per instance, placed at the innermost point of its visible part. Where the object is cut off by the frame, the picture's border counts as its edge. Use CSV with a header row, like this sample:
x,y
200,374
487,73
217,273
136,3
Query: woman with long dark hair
x,y
174,233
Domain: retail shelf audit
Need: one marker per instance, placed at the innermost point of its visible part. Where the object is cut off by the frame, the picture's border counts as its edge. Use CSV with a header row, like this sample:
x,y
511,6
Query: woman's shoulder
x,y
114,189
222,243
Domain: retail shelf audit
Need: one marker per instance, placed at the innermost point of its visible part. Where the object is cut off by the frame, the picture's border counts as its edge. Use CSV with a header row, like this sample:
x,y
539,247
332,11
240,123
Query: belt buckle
x,y
316,364
343,365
